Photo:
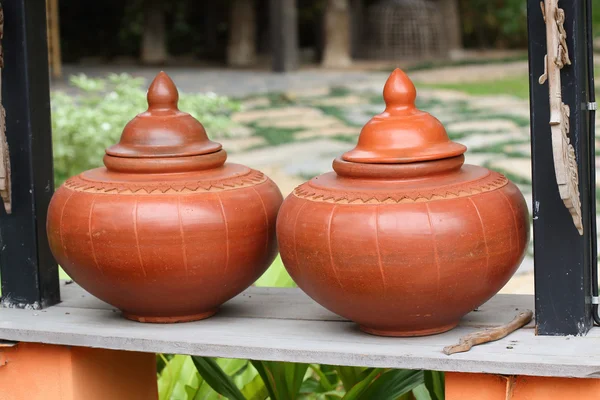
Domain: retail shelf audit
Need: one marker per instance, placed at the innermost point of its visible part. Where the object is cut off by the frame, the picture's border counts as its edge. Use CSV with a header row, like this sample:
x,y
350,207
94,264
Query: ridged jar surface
x,y
403,266
167,250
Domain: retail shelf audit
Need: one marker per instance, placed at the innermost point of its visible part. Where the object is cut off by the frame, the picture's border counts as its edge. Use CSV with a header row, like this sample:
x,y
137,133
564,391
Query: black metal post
x,y
29,272
284,35
563,257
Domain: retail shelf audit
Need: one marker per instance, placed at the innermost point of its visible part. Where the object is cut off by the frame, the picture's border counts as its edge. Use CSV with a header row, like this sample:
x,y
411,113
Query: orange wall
x,y
461,386
31,371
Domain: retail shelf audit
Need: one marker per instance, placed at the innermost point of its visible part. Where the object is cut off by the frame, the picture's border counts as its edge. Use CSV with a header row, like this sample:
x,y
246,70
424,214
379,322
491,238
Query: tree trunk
x,y
451,15
337,34
283,28
241,51
154,40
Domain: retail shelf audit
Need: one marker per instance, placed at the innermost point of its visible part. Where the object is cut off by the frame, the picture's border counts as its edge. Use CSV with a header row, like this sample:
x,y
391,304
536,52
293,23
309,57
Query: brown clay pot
x,y
403,238
168,231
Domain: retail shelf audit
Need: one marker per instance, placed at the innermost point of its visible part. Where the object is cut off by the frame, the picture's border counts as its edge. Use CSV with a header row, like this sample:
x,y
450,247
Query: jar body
x,y
403,264
165,249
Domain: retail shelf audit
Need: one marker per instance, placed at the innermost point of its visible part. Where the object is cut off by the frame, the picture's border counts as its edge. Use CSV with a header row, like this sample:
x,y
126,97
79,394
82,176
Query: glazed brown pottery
x,y
168,231
403,238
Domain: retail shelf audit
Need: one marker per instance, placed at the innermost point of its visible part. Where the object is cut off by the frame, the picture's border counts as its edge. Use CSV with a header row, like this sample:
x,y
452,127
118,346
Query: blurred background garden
x,y
468,59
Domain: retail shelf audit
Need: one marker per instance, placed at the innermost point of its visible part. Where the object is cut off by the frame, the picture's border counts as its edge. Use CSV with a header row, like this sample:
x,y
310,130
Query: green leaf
x,y
205,392
362,385
392,384
325,384
434,380
311,386
349,375
331,374
282,380
161,363
178,372
255,389
421,393
216,378
232,366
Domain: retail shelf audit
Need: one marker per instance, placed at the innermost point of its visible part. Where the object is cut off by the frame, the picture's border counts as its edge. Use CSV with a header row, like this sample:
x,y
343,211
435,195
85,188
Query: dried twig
x,y
489,335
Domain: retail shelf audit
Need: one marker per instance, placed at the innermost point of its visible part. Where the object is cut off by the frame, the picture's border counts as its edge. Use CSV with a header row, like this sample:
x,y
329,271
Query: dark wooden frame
x,y
563,258
29,272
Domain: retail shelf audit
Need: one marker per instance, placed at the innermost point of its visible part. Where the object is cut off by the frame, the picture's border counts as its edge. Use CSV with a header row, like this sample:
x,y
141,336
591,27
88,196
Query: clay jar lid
x,y
402,141
163,139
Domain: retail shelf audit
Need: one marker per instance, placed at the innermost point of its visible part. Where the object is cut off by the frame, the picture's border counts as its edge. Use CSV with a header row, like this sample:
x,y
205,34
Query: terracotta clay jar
x,y
167,231
403,238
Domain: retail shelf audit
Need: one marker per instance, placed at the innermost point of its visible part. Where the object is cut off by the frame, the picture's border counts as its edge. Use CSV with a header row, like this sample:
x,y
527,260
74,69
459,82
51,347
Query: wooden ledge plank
x,y
288,303
302,341
286,325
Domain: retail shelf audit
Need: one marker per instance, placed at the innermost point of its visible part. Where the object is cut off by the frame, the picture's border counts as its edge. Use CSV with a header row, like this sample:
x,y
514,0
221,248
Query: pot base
x,y
424,332
169,320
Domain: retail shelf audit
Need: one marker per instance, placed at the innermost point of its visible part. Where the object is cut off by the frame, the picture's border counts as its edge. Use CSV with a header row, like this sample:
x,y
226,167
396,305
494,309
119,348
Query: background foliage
x,y
494,23
114,28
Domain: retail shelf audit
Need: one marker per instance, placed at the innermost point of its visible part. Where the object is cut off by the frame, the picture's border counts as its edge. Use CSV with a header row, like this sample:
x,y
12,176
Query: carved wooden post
x,y
563,188
337,34
241,51
154,40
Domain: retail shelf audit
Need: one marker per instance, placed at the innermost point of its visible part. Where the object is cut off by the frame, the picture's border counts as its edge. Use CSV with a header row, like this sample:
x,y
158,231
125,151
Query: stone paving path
x,y
300,122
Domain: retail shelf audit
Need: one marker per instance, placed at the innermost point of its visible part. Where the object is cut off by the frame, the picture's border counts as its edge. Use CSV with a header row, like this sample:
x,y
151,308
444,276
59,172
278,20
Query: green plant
x,y
84,124
193,378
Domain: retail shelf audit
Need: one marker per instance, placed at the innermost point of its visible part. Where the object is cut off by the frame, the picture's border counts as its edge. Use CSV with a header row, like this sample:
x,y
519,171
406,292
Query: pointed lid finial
x,y
399,91
162,93
402,133
163,131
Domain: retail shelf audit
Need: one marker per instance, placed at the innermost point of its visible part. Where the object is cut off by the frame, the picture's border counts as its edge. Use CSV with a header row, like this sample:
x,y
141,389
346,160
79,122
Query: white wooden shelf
x,y
286,325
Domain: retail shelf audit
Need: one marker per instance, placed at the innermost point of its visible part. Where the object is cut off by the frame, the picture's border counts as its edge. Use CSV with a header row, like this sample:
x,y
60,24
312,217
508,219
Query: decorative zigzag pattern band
x,y
491,182
79,184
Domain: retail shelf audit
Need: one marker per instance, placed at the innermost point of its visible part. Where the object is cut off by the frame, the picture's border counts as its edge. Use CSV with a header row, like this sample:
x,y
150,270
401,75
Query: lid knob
x,y
162,94
402,133
399,92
